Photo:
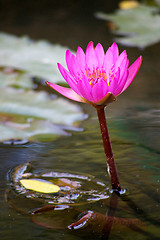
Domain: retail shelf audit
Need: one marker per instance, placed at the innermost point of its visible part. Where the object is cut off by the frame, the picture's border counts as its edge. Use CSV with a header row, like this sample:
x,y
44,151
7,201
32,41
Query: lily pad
x,y
8,77
140,26
128,4
38,58
26,114
36,130
39,105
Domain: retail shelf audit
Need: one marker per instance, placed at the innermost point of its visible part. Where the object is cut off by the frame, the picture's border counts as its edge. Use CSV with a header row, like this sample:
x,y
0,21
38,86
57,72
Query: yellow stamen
x,y
90,82
97,74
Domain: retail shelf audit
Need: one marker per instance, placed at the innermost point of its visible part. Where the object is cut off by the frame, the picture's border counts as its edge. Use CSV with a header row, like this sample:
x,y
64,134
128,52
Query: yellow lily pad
x,y
40,185
128,4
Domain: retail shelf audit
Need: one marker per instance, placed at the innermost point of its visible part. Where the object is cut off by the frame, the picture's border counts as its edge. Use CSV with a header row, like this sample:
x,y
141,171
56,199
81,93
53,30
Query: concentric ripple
x,y
75,189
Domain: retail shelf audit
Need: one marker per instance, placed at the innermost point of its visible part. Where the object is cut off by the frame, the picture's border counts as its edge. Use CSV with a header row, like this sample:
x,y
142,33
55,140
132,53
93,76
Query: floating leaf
x,y
157,2
128,4
39,105
37,130
16,79
39,58
40,185
26,114
140,25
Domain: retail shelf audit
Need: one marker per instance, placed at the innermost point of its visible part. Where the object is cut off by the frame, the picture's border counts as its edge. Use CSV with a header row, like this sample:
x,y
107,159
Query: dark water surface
x,y
133,121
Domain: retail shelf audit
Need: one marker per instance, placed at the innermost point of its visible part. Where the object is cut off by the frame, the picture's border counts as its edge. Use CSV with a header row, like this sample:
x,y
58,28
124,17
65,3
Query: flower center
x,y
97,75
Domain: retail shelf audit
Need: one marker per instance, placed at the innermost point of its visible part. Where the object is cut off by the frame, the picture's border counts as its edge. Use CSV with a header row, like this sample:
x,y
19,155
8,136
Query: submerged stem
x,y
108,150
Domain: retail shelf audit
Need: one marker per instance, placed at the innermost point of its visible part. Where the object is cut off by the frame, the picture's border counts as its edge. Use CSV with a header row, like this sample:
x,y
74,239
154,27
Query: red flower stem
x,y
108,150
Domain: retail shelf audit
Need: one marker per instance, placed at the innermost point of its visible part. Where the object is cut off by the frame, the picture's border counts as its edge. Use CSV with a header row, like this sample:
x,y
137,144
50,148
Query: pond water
x,y
134,122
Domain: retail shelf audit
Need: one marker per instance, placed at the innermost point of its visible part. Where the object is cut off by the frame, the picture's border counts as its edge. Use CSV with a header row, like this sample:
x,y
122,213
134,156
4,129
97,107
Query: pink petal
x,y
69,61
68,77
76,67
72,64
85,89
108,61
123,66
81,59
99,90
67,92
133,69
100,55
115,51
91,58
122,57
121,84
114,83
111,57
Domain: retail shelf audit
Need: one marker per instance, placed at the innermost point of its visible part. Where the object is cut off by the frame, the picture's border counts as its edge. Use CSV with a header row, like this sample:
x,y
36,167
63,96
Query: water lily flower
x,y
96,77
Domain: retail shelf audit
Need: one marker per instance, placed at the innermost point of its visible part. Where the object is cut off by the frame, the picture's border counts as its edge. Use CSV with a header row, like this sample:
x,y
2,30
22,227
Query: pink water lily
x,y
96,77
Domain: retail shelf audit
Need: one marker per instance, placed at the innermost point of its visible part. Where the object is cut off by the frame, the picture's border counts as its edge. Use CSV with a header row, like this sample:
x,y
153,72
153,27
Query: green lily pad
x,y
140,26
39,105
37,130
29,115
16,79
38,58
